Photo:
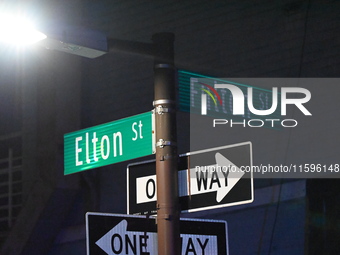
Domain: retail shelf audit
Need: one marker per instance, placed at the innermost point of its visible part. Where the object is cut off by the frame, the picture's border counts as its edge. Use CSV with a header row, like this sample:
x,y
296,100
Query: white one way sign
x,y
207,179
125,234
204,181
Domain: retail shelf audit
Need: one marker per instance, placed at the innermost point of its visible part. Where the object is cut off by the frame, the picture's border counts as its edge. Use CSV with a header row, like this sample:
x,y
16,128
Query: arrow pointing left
x,y
121,241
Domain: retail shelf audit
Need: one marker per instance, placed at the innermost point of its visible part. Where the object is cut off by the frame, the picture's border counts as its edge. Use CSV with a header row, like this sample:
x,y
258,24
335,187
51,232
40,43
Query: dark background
x,y
45,94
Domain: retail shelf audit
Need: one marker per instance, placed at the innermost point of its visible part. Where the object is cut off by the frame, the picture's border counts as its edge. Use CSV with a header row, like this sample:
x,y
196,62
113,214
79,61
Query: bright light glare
x,y
18,30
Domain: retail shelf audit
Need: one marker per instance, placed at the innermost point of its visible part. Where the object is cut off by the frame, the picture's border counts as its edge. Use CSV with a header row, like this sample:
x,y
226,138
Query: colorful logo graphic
x,y
209,92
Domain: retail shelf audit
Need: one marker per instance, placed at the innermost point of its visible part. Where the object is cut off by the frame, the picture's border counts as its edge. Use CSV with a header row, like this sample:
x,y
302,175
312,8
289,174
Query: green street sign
x,y
109,143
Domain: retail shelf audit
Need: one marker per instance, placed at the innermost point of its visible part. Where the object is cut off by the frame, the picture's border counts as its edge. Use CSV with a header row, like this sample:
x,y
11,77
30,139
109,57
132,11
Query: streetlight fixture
x,y
93,44
75,40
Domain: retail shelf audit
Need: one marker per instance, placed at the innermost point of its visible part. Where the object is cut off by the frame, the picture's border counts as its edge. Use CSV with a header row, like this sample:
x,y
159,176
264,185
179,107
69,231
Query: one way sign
x,y
208,179
110,234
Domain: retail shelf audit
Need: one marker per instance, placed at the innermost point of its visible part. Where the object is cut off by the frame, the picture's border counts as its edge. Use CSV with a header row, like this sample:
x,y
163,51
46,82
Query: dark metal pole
x,y
166,147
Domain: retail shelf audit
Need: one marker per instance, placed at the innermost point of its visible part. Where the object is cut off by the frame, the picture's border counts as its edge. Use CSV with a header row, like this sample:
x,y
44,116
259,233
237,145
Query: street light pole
x,y
166,145
92,44
162,49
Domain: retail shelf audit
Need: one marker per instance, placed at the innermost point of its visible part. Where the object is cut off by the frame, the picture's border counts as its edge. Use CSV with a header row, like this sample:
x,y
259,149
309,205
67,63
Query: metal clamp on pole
x,y
160,108
161,143
163,101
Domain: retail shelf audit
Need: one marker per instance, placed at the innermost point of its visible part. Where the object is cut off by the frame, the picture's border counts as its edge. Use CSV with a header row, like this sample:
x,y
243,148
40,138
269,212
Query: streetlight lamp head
x,y
18,30
75,40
